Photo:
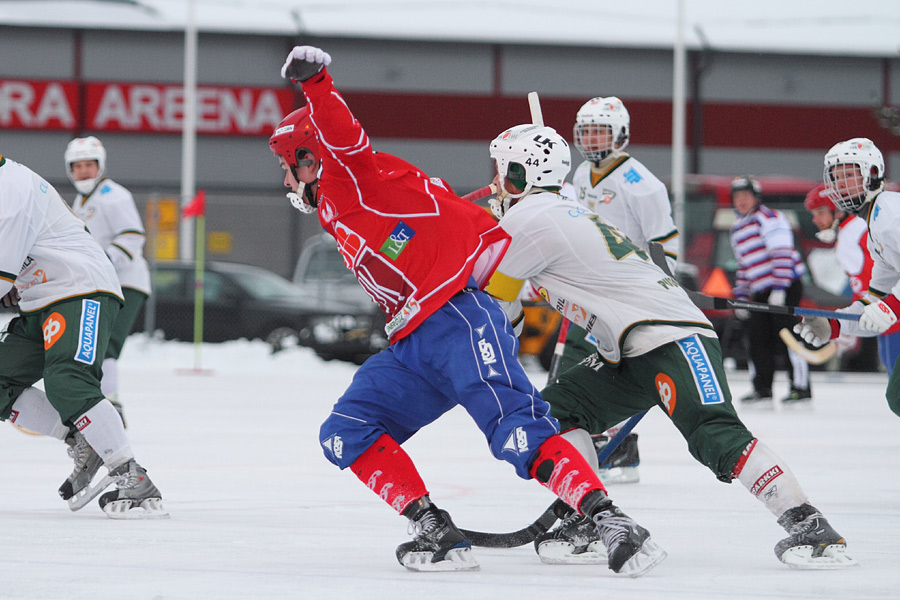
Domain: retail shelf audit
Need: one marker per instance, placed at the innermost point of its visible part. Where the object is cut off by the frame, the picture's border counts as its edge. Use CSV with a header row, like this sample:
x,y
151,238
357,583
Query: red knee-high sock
x,y
559,467
387,470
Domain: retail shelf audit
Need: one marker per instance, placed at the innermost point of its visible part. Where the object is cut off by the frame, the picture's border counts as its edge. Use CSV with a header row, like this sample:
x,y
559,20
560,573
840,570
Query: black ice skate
x,y
629,549
758,400
575,542
438,545
77,489
622,464
813,543
135,497
798,398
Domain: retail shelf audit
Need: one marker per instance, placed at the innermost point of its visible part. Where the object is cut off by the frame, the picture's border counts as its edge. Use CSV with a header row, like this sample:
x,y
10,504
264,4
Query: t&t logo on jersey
x,y
87,335
53,328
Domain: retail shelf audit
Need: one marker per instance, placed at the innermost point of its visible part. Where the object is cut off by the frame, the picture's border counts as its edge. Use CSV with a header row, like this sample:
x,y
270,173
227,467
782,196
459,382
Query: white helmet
x,y
86,148
609,112
863,153
529,156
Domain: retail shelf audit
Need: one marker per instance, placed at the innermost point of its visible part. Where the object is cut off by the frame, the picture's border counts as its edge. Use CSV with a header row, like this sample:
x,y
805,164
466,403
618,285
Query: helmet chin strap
x,y
86,186
828,236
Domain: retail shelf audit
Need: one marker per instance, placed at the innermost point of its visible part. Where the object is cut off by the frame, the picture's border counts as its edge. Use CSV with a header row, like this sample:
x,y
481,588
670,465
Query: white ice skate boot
x,y
135,497
813,543
77,489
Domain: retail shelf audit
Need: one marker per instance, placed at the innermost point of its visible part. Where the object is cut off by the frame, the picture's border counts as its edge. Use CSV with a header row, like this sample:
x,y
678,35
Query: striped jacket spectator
x,y
763,244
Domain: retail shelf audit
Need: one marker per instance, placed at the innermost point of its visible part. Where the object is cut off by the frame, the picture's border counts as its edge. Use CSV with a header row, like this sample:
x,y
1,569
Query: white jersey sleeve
x,y
113,219
596,277
46,249
883,220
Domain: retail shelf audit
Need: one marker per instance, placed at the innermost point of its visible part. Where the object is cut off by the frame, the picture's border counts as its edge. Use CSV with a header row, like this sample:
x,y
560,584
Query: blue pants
x,y
889,350
466,354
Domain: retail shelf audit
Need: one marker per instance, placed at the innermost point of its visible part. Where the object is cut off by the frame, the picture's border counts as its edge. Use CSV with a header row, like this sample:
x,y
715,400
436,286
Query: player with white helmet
x,y
109,211
68,298
450,343
653,348
623,191
854,179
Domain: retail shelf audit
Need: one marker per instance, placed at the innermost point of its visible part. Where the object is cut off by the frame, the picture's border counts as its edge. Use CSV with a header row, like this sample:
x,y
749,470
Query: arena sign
x,y
140,107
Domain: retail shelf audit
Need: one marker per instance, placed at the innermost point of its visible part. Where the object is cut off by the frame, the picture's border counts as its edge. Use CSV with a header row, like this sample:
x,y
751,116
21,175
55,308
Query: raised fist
x,y
303,62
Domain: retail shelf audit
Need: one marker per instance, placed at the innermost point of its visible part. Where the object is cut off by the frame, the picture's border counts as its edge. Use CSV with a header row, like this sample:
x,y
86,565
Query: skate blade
x,y
833,557
798,405
83,497
559,552
620,475
151,508
646,558
759,405
458,559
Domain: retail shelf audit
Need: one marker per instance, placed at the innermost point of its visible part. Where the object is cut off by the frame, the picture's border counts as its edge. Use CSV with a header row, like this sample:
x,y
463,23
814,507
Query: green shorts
x,y
63,344
684,378
134,300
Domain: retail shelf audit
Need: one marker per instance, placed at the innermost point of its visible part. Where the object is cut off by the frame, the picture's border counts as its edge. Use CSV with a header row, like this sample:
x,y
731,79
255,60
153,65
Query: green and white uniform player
x,y
111,216
654,346
68,297
619,188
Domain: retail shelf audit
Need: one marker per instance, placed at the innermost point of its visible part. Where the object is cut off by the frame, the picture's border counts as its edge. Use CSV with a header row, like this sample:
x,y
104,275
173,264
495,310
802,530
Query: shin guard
x,y
387,470
559,467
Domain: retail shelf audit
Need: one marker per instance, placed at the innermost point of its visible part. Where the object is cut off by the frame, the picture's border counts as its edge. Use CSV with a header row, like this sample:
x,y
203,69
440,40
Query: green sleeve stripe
x,y
127,253
7,276
878,293
665,238
131,231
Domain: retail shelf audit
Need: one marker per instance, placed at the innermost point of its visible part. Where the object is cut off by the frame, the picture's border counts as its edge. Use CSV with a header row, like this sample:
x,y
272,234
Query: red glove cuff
x,y
835,328
892,301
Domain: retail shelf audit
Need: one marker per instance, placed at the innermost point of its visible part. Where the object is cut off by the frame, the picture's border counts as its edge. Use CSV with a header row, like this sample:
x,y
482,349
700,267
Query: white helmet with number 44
x,y
529,156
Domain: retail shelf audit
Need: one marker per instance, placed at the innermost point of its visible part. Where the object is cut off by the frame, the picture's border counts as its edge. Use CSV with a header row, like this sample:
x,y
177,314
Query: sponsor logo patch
x,y
54,327
335,445
667,394
87,332
701,368
396,242
517,441
13,416
81,423
765,479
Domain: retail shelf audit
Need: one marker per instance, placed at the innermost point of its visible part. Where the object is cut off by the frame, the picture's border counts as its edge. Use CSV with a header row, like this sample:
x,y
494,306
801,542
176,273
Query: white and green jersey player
x,y
655,348
68,296
111,216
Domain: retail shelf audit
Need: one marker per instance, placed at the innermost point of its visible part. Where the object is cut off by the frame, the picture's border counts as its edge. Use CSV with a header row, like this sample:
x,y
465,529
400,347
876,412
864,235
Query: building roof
x,y
822,27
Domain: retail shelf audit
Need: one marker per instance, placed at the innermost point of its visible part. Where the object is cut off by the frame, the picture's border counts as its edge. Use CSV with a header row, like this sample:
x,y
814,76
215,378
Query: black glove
x,y
304,62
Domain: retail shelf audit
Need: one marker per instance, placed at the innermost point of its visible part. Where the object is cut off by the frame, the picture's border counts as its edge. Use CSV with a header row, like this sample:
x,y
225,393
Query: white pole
x,y
189,130
678,127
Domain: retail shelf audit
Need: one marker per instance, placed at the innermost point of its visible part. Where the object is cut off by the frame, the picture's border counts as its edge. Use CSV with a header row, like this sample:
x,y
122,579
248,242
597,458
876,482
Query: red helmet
x,y
818,198
294,138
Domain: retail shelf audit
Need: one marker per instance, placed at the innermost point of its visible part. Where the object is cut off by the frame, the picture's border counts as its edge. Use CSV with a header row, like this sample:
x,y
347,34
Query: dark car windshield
x,y
264,285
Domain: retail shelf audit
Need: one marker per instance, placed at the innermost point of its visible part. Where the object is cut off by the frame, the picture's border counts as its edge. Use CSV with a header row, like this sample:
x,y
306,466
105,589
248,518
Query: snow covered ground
x,y
257,511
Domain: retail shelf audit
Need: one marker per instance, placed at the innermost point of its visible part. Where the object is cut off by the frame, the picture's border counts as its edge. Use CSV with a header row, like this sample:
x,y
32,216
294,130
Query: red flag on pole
x,y
196,207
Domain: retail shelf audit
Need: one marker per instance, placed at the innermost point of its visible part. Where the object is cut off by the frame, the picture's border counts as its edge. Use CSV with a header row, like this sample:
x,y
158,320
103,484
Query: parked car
x,y
244,301
321,274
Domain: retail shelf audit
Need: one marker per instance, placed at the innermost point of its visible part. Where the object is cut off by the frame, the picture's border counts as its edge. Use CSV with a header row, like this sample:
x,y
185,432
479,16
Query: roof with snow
x,y
838,27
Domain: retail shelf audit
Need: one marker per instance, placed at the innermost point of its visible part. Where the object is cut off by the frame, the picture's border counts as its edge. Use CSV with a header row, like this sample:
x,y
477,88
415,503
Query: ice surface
x,y
258,513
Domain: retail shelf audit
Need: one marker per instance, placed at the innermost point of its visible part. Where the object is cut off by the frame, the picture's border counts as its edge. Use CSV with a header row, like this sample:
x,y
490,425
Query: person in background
x,y
113,220
849,234
768,270
68,297
619,188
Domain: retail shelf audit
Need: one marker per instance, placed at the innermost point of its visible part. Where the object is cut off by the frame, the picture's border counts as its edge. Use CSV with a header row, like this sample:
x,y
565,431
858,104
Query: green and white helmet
x,y
529,156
